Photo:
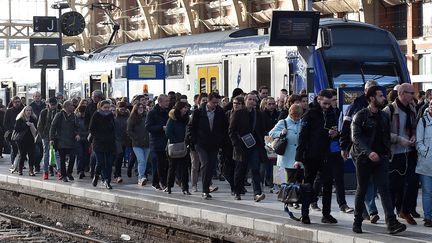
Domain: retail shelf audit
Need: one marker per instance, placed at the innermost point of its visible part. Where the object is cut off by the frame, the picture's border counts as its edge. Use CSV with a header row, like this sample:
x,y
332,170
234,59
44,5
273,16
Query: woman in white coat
x,y
424,163
292,130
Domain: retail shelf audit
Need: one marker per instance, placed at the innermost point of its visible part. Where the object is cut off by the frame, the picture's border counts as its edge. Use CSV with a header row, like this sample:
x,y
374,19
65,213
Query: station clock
x,y
72,23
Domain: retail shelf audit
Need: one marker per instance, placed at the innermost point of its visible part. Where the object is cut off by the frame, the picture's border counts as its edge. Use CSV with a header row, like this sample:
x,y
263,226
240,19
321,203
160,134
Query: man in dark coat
x,y
156,125
248,124
9,123
319,126
206,131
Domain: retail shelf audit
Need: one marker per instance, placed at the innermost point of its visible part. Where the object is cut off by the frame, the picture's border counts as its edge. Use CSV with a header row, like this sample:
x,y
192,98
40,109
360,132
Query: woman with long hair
x,y
82,146
176,131
102,130
25,133
140,139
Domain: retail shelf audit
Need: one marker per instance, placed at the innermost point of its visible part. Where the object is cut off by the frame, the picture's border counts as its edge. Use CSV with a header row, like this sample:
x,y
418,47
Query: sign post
x,y
145,67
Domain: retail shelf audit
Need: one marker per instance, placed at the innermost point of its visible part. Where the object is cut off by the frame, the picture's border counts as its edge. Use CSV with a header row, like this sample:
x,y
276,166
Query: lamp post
x,y
60,6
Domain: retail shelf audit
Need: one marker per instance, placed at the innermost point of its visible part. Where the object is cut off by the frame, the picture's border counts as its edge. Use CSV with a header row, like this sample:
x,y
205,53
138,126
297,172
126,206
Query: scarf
x,y
407,110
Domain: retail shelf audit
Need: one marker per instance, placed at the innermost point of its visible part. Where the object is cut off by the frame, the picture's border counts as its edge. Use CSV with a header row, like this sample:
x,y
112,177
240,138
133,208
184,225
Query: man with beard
x,y
370,131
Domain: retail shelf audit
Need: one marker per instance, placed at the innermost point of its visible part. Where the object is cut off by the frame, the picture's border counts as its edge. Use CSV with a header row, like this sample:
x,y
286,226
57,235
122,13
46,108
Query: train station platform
x,y
265,219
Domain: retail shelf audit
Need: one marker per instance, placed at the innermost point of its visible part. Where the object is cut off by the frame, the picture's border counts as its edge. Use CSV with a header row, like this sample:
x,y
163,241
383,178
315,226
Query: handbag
x,y
177,150
52,156
280,144
17,136
290,193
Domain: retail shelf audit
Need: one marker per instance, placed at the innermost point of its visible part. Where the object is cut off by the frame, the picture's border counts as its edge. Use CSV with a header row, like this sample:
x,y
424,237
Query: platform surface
x,y
266,216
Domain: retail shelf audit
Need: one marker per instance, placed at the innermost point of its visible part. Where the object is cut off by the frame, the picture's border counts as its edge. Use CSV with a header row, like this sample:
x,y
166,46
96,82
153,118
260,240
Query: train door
x,y
263,72
105,81
208,79
97,82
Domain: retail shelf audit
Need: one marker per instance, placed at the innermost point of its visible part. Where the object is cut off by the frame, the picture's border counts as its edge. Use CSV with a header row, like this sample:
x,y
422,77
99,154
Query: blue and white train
x,y
347,54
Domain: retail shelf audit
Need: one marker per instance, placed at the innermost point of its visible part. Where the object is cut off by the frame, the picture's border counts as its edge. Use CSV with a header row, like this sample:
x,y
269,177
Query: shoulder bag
x,y
280,144
177,150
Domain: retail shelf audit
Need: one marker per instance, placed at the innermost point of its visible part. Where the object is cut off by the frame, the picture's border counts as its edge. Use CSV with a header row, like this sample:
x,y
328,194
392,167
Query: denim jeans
x,y
46,145
370,198
104,162
82,154
426,182
141,155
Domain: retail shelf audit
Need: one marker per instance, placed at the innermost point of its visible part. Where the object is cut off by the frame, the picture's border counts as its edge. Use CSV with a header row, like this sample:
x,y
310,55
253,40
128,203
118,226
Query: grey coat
x,y
63,130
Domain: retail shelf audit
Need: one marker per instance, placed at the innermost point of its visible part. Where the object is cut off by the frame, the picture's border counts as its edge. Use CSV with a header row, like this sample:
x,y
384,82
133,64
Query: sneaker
x,y
357,228
194,189
157,187
206,196
107,185
305,220
427,223
314,206
119,180
259,197
213,188
346,209
45,175
374,218
328,219
237,197
408,218
296,206
70,177
142,181
187,193
396,227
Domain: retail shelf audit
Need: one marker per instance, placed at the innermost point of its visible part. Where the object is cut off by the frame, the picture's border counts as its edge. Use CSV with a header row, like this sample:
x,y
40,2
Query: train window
x,y
213,84
202,85
226,77
263,72
174,64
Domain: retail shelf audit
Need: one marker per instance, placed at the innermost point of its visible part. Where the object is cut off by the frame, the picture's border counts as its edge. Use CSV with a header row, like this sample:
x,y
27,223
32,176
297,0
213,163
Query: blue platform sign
x,y
145,71
145,67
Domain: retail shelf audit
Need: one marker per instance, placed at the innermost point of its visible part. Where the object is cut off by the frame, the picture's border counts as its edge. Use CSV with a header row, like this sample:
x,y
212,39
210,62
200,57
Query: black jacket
x,y
198,129
240,125
363,129
314,140
137,132
22,127
37,108
44,123
176,128
270,119
10,118
156,120
64,129
345,136
90,110
102,131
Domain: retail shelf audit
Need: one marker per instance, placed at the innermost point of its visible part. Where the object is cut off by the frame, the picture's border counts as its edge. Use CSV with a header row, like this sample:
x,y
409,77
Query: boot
x,y
31,172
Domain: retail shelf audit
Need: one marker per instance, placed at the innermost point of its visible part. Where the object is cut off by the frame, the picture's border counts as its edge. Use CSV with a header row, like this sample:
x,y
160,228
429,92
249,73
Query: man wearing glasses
x,y
403,179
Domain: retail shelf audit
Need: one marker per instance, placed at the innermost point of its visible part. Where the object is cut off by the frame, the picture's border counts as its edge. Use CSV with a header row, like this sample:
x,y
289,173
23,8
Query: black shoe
x,y
357,228
186,193
157,187
346,209
247,183
129,173
107,185
70,177
415,215
427,223
237,197
374,218
81,175
206,196
396,227
95,180
328,219
168,189
314,206
65,179
305,220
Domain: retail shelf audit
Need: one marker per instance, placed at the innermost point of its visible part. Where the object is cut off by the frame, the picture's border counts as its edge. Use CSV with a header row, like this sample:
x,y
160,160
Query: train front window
x,y
354,74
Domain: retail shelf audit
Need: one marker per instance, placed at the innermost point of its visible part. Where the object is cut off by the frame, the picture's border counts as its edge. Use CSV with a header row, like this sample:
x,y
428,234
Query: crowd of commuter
x,y
228,138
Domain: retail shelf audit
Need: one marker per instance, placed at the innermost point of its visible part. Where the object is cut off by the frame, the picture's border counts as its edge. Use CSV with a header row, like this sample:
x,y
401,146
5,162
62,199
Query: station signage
x,y
45,24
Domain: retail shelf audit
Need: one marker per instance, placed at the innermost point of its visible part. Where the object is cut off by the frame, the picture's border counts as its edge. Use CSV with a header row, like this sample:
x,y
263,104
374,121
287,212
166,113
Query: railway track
x,y
21,233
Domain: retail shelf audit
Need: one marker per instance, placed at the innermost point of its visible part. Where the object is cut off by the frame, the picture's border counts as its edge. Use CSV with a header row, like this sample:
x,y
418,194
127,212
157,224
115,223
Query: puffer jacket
x,y
424,145
363,129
